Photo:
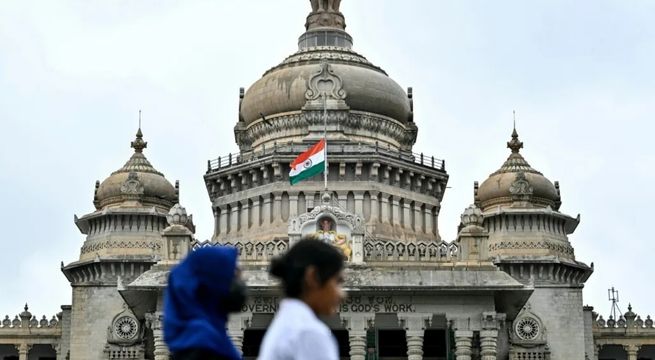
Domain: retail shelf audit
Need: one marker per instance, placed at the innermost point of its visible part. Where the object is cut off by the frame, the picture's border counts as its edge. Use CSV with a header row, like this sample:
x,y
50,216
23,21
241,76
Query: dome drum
x,y
326,37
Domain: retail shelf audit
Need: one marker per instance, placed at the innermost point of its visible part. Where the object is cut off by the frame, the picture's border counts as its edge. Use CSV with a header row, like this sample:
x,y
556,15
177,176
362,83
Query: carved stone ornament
x,y
521,186
472,216
325,82
177,215
125,329
355,222
521,189
325,13
132,186
528,330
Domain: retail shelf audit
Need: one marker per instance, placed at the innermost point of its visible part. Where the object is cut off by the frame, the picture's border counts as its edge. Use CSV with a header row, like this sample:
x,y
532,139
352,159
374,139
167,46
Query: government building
x,y
508,287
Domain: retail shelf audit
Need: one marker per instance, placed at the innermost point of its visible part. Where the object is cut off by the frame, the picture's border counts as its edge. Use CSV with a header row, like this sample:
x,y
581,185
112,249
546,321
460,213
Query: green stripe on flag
x,y
314,170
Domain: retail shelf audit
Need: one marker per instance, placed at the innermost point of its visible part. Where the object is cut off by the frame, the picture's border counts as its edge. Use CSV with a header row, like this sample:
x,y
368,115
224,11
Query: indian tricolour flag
x,y
309,163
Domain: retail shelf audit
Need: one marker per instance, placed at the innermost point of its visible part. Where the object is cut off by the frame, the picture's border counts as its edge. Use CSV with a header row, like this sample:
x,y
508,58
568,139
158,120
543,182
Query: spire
x,y
325,14
515,162
515,144
138,144
138,161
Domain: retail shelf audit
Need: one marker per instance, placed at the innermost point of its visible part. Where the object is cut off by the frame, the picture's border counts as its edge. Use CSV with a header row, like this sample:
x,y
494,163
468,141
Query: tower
x,y
528,239
123,240
370,133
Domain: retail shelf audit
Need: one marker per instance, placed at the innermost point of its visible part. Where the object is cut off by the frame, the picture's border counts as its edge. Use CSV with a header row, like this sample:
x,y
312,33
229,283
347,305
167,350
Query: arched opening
x,y
302,203
350,202
367,206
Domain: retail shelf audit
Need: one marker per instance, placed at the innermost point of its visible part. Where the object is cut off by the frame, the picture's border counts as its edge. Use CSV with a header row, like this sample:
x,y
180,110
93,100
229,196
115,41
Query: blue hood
x,y
193,317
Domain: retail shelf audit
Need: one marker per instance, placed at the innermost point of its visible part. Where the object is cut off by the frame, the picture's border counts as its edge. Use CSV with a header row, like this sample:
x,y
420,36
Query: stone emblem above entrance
x,y
330,223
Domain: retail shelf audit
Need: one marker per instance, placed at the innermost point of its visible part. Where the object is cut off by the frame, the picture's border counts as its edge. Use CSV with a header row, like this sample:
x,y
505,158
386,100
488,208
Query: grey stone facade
x,y
508,287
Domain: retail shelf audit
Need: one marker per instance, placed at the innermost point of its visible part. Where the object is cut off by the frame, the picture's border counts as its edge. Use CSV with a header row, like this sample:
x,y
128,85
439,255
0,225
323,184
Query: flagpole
x,y
325,171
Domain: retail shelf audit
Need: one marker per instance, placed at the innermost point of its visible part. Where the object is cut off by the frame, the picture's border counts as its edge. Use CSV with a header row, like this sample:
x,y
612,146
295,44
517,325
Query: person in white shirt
x,y
312,276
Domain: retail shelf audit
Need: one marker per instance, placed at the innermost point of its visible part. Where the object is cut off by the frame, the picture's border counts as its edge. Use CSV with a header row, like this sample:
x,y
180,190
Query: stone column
x,y
234,219
384,214
418,218
23,351
222,221
597,349
155,321
357,325
407,225
414,325
277,207
427,218
217,224
359,204
395,211
245,208
57,349
375,208
488,344
463,339
255,212
489,336
435,221
266,209
237,324
632,351
293,205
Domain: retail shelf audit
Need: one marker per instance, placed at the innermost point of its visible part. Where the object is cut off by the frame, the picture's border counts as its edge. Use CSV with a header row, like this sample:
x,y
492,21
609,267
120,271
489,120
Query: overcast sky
x,y
73,75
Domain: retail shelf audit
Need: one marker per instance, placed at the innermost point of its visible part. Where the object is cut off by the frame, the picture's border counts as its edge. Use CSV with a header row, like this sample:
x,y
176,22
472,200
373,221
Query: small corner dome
x,y
516,179
137,183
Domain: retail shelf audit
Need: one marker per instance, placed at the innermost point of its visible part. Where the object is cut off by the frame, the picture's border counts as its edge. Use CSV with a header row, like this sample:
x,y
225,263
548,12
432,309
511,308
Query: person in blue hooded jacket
x,y
202,290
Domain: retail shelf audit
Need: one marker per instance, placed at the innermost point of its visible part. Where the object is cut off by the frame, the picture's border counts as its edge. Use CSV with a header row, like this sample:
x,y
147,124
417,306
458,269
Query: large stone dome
x,y
137,183
516,182
368,88
363,104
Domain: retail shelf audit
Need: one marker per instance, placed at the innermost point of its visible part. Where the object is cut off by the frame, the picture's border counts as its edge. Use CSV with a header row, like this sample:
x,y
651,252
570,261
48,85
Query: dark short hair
x,y
291,266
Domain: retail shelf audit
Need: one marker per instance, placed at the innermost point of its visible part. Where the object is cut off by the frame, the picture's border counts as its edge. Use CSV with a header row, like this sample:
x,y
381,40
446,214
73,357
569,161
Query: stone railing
x,y
291,149
623,323
26,320
252,250
630,332
380,250
374,250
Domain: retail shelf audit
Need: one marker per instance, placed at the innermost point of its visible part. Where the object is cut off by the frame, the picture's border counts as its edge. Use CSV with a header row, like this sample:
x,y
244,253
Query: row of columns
x,y
255,212
414,325
155,321
24,350
632,350
385,174
357,325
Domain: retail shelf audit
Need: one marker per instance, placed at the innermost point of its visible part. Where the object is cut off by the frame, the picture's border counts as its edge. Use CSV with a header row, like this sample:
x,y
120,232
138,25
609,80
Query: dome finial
x,y
325,14
138,144
515,144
